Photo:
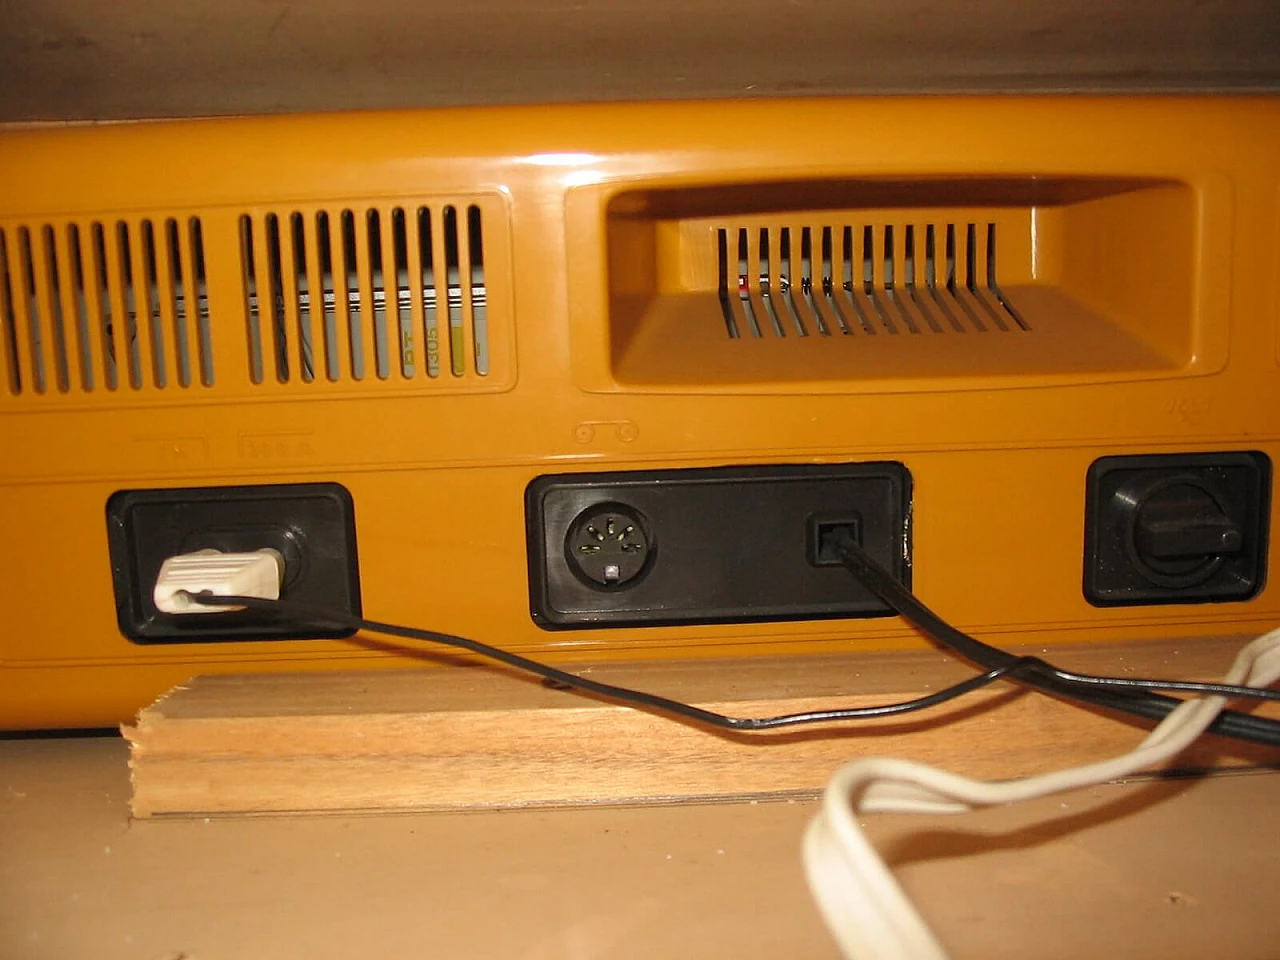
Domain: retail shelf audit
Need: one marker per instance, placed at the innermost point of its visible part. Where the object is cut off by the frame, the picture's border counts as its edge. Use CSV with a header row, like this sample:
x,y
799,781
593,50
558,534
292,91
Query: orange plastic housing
x,y
435,308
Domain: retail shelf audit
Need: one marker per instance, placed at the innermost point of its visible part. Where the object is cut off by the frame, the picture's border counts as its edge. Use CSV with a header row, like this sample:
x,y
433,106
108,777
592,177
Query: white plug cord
x,y
255,574
866,909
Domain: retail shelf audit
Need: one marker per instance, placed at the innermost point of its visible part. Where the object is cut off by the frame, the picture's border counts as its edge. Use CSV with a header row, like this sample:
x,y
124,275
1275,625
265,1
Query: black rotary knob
x,y
1178,531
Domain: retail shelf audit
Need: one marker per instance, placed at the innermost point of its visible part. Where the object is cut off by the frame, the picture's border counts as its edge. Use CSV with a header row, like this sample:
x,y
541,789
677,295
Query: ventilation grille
x,y
95,306
855,280
394,293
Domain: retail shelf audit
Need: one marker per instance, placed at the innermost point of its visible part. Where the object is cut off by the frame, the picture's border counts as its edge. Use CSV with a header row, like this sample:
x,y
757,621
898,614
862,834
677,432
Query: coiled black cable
x,y
1124,694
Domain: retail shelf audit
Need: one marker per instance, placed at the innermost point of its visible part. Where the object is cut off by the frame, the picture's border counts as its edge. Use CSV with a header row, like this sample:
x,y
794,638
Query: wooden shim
x,y
475,737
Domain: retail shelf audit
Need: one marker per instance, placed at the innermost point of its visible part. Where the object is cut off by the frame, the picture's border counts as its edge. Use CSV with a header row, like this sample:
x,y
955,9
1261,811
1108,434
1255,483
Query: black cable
x,y
1116,693
308,614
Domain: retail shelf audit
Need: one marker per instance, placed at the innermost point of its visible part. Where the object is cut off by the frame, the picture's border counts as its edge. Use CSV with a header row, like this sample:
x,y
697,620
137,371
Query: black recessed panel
x,y
710,545
1176,528
312,525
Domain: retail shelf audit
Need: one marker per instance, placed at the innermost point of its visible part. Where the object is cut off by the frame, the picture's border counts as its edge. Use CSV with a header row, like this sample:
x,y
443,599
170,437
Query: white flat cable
x,y
255,574
866,909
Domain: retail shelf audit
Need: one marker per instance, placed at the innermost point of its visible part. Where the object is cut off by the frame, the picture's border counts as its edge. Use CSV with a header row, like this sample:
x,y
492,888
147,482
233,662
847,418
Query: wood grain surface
x,y
474,737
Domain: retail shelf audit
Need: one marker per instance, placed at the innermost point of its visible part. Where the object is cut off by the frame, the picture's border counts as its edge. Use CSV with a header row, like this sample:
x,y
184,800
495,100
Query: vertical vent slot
x,y
892,265
273,290
29,334
453,269
869,279
145,288
193,299
124,262
332,298
9,318
425,287
299,292
846,282
787,272
94,306
407,309
829,281
253,298
971,277
806,282
909,264
101,294
386,300
726,301
479,318
766,288
744,283
73,291
931,278
401,292
360,307
861,279
50,302
993,286
952,286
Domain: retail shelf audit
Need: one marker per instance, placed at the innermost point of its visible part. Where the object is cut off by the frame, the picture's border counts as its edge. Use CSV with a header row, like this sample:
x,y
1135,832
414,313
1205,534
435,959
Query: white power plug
x,y
255,574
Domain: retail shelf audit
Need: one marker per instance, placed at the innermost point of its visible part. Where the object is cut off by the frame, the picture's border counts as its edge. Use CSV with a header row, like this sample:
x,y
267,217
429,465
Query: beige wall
x,y
75,59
